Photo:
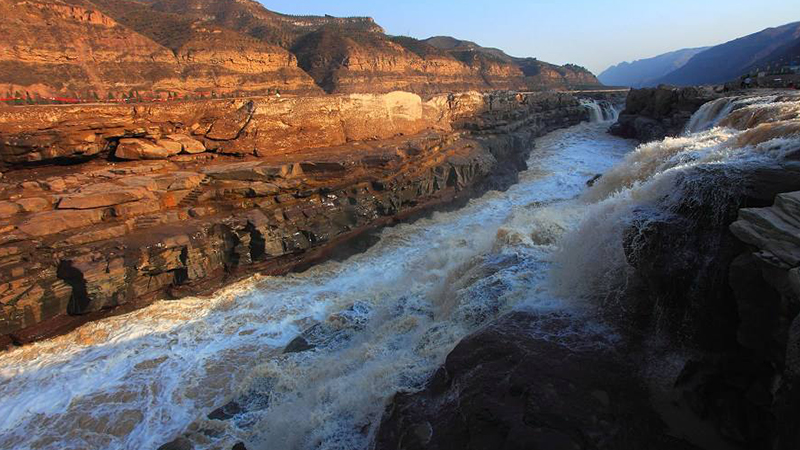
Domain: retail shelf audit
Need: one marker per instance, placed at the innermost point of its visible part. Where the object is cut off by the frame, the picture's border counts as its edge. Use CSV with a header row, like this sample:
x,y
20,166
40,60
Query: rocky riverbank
x,y
705,298
106,208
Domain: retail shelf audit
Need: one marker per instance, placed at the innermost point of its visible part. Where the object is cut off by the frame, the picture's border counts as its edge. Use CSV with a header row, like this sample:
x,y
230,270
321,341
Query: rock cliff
x,y
105,208
110,49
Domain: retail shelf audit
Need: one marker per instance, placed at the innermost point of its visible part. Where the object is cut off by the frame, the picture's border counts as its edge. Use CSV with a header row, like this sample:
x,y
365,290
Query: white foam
x,y
653,181
389,317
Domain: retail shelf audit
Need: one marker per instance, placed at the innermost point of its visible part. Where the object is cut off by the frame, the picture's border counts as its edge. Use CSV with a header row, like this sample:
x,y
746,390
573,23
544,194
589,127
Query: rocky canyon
x,y
223,227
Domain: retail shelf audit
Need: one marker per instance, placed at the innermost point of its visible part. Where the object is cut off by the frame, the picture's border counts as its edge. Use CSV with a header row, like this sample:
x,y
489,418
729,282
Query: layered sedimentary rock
x,y
114,49
89,49
72,49
766,281
176,199
346,61
652,114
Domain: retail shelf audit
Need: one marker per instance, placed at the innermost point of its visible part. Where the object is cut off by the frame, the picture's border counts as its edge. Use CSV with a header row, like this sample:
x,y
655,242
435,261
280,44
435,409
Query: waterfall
x,y
660,181
712,113
600,110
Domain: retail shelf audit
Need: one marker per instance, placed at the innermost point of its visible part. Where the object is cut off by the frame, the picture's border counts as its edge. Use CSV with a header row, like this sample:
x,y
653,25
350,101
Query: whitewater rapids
x,y
381,322
725,141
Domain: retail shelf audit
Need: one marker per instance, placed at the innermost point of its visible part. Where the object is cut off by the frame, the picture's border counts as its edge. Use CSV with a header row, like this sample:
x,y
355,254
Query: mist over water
x,y
724,141
379,322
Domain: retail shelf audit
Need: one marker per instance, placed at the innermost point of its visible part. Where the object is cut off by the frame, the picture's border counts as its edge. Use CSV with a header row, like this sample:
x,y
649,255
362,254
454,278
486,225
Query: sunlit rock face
x,y
171,199
101,50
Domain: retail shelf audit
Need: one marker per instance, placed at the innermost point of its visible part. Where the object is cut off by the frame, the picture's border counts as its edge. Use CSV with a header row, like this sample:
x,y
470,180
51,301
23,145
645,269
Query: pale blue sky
x,y
593,33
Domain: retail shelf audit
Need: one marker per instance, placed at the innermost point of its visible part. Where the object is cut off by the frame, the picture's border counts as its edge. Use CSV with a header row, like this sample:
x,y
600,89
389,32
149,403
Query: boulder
x,y
173,147
226,412
178,444
506,388
8,209
298,345
244,171
179,181
189,145
136,149
34,204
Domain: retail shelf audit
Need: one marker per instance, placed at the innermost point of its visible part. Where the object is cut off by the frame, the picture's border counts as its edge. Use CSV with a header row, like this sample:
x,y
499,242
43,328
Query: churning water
x,y
379,322
726,140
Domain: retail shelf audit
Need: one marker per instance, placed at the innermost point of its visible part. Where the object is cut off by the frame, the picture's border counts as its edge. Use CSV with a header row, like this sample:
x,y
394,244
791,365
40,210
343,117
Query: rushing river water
x,y
380,322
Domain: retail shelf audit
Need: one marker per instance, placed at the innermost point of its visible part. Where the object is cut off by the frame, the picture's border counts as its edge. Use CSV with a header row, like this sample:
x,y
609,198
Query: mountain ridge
x,y
646,72
732,59
237,47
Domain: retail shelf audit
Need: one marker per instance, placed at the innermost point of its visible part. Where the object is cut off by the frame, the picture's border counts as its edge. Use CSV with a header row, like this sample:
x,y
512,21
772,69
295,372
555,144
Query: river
x,y
379,322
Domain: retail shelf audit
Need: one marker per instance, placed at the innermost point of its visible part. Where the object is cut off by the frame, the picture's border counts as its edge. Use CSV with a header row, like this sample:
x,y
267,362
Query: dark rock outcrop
x,y
529,382
652,114
717,273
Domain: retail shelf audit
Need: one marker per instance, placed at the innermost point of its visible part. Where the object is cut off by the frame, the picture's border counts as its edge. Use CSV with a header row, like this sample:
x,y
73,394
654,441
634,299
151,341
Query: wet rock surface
x,y
279,186
524,382
717,273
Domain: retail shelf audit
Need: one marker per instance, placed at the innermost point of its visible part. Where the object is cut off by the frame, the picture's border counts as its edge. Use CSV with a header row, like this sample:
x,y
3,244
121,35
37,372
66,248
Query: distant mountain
x,y
728,61
535,74
647,72
787,55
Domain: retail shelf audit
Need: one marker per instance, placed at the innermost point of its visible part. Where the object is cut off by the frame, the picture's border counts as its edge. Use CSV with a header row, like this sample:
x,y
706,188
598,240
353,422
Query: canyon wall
x,y
72,49
105,208
104,50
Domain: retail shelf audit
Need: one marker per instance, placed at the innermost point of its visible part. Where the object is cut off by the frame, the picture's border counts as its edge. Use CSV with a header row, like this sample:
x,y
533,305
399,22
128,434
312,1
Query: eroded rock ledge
x,y
105,208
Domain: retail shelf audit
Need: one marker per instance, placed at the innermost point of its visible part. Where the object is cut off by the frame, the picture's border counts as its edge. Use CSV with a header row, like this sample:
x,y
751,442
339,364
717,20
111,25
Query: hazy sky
x,y
592,33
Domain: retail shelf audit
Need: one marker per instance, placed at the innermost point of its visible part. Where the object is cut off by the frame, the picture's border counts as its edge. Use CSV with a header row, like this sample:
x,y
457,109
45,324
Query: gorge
x,y
309,360
225,228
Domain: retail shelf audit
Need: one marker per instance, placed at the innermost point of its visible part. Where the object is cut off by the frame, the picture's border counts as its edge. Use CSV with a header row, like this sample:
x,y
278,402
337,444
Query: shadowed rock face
x,y
168,200
529,382
721,274
652,114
